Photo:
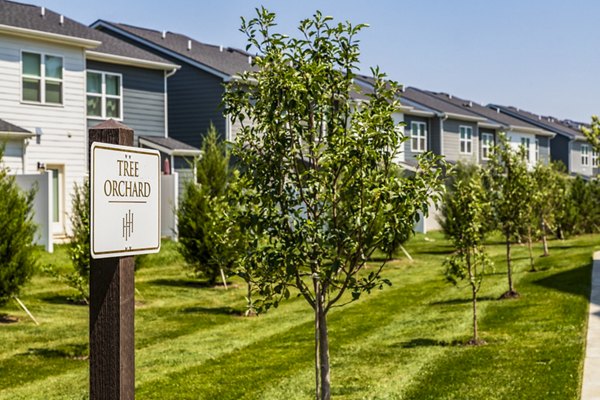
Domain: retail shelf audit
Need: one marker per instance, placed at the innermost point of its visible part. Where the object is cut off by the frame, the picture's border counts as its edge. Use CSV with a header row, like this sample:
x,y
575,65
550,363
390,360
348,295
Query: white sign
x,y
125,200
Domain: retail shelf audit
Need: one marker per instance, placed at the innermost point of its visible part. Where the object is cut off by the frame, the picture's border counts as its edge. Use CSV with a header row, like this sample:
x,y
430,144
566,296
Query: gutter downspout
x,y
167,75
442,118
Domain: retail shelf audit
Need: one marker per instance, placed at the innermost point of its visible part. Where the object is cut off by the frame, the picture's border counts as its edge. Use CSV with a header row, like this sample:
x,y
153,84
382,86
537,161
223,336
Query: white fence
x,y
42,205
169,203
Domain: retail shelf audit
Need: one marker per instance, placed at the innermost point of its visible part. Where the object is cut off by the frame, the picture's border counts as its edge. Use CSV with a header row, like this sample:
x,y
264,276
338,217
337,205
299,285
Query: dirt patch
x,y
511,294
8,319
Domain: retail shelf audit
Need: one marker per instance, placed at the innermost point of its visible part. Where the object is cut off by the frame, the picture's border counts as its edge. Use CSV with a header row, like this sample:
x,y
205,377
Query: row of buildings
x,y
59,77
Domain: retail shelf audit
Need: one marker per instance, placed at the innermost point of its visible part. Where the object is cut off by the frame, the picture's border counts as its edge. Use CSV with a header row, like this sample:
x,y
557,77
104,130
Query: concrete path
x,y
591,368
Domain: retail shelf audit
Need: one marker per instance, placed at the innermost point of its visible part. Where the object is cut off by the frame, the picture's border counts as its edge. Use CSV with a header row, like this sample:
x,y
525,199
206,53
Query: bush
x,y
17,232
205,238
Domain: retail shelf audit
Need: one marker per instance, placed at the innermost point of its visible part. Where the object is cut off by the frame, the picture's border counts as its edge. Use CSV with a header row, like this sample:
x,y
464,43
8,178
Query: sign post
x,y
124,198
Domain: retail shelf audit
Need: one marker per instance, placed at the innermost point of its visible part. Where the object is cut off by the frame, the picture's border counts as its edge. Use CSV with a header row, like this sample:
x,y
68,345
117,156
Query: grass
x,y
404,342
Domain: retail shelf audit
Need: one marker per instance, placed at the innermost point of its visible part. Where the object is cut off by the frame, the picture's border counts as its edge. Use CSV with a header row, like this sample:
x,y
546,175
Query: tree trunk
x,y
249,303
545,239
323,350
317,335
472,274
529,244
508,264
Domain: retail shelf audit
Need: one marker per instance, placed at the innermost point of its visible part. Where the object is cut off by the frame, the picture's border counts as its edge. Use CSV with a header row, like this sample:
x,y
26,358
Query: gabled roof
x,y
225,62
545,122
8,129
506,121
430,101
33,21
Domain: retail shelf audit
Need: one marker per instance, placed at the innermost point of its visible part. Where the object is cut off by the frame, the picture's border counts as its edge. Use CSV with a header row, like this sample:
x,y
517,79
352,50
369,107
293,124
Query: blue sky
x,y
539,55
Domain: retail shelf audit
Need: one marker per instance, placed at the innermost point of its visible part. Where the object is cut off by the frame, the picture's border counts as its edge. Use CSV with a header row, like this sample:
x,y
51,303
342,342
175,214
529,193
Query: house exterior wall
x,y
515,141
544,149
143,98
451,138
577,166
60,129
559,150
436,136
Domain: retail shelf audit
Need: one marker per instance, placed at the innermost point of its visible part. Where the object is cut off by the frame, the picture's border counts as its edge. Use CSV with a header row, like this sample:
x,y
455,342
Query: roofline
x,y
49,37
155,46
171,152
465,117
535,131
136,62
531,120
491,125
421,113
18,135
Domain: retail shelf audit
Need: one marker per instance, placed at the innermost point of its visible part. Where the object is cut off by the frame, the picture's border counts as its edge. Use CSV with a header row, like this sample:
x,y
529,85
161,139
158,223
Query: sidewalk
x,y
591,368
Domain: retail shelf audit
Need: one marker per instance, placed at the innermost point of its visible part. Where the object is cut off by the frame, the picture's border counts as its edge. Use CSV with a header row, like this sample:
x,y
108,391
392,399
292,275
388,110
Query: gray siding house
x,y
519,133
196,90
58,78
568,146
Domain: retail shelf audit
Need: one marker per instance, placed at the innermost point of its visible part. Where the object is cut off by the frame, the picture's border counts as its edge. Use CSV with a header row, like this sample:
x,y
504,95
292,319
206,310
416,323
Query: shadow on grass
x,y
63,300
78,351
461,301
215,310
426,342
185,283
575,281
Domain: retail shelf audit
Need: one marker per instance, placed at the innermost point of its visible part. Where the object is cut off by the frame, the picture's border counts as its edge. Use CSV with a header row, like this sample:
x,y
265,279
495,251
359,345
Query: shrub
x,y
17,232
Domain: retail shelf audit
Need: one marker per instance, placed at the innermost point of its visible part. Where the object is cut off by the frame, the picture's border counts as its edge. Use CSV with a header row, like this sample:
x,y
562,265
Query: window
x,y
418,133
42,78
537,150
487,141
525,142
466,139
104,95
595,161
585,154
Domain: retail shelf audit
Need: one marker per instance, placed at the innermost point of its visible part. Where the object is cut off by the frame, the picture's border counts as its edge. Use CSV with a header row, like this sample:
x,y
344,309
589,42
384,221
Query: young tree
x,y
549,198
507,179
205,240
17,232
317,167
467,212
592,134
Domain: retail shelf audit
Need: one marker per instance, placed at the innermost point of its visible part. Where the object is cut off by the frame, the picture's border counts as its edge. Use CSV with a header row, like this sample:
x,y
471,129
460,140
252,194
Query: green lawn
x,y
404,342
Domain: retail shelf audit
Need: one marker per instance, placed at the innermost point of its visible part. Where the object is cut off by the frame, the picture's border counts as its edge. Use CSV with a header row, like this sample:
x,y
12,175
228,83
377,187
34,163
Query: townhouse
x,y
58,78
196,91
569,145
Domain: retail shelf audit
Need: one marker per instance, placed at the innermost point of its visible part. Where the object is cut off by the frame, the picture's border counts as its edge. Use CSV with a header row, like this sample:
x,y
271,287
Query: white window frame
x,y
103,96
487,143
585,158
418,136
43,78
595,159
467,140
537,150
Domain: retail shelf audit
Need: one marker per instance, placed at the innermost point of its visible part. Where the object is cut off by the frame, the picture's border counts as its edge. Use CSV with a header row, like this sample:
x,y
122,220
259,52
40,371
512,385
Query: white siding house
x,y
51,108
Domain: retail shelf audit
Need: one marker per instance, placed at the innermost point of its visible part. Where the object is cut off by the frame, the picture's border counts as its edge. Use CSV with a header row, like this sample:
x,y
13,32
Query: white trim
x,y
123,60
154,46
16,135
49,37
465,117
536,153
42,78
167,76
585,155
103,96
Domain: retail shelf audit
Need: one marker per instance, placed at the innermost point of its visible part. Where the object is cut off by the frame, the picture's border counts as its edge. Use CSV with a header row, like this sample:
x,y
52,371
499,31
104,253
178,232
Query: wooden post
x,y
112,305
